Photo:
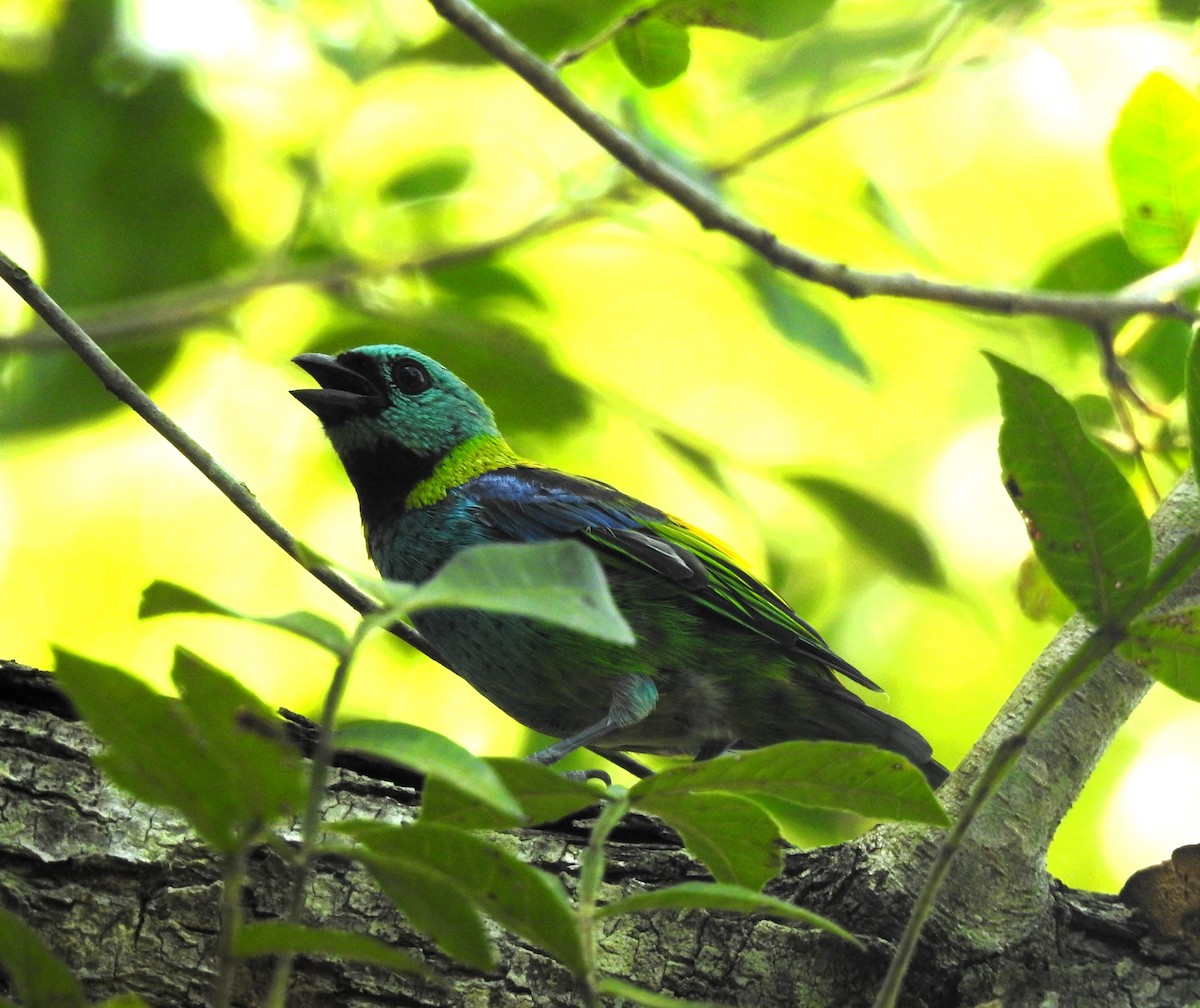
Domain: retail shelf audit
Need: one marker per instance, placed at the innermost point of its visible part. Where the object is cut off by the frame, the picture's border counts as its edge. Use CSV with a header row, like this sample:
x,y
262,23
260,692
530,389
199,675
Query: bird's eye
x,y
410,377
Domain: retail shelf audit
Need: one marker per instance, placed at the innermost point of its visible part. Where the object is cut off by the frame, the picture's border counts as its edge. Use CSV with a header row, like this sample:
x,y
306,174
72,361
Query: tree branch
x,y
712,214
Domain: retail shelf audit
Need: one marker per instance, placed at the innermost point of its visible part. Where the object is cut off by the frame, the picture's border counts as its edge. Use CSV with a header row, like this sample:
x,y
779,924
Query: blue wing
x,y
532,504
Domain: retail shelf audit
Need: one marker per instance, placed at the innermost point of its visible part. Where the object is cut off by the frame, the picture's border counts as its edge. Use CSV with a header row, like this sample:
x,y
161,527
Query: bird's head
x,y
381,397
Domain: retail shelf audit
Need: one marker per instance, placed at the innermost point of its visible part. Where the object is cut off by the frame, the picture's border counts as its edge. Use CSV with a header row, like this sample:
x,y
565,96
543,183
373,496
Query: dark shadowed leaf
x,y
735,839
765,19
165,598
801,322
122,1001
275,937
431,179
1154,154
556,582
1084,520
834,775
542,793
721,896
528,902
1167,647
35,974
481,280
435,756
890,536
116,155
696,459
653,50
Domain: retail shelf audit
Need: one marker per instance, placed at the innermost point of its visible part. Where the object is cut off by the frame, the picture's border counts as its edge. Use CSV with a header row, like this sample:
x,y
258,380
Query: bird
x,y
720,661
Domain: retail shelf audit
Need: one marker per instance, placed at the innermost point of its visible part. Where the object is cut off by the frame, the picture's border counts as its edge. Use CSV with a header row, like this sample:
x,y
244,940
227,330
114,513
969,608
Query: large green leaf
x,y
1193,401
435,756
216,756
542,793
35,974
1154,154
1084,520
161,598
654,50
273,937
890,536
115,155
530,903
721,896
1167,646
735,839
834,775
556,582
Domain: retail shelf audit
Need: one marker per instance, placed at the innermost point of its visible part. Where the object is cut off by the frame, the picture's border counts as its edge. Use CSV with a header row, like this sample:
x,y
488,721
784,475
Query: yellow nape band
x,y
472,458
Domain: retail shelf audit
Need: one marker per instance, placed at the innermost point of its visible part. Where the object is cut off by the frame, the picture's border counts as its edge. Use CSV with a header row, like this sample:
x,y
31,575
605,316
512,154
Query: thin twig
x,y
714,215
128,392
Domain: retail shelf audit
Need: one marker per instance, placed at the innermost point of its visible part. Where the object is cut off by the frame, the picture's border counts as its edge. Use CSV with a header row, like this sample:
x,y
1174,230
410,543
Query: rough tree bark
x,y
129,898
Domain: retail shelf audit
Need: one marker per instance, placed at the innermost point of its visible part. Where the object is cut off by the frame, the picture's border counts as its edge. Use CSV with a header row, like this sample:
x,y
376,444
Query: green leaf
x,y
799,321
764,19
834,775
123,1001
435,756
543,794
165,598
528,902
655,51
1193,401
890,536
262,774
1154,154
625,991
432,179
1038,596
721,896
545,26
1084,520
1167,647
159,751
275,937
36,975
434,904
696,459
736,840
557,582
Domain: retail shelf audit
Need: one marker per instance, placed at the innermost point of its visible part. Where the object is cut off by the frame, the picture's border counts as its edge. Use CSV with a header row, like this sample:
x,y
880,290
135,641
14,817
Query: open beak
x,y
344,393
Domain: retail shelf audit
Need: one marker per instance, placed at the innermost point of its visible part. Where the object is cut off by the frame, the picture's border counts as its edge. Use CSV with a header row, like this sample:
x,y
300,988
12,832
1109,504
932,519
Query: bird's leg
x,y
712,749
633,699
624,761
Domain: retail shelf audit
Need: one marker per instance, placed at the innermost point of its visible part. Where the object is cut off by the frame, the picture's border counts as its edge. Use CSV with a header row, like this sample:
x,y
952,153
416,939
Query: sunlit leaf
x,y
36,975
766,19
526,901
434,756
801,322
834,775
163,598
542,793
721,896
893,538
1167,646
1084,520
735,839
1154,154
556,582
655,51
273,937
1038,595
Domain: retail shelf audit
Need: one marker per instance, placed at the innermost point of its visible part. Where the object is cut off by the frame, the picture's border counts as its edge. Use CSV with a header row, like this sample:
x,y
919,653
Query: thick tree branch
x,y
712,214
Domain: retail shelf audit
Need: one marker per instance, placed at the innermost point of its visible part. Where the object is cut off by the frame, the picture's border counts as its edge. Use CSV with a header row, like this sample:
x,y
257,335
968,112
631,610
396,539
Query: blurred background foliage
x,y
214,187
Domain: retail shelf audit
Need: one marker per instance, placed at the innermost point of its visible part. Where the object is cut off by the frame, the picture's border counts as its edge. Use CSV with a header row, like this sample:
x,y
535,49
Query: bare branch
x,y
714,215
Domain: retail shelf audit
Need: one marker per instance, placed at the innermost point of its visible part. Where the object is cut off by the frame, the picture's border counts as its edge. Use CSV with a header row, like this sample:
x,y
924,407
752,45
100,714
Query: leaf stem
x,y
318,780
233,879
591,874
